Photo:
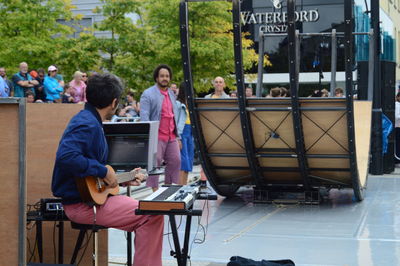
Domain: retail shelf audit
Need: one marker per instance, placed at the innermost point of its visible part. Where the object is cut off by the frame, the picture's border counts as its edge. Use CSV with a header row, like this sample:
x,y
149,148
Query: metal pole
x,y
376,166
371,65
348,37
294,85
298,56
22,182
260,64
333,62
187,74
61,242
129,235
245,121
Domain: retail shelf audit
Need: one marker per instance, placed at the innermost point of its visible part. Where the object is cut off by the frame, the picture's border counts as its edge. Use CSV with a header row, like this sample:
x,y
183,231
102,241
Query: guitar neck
x,y
125,177
129,176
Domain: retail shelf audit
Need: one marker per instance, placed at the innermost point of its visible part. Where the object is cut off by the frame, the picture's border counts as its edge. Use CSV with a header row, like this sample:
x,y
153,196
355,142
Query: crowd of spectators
x,y
41,87
277,92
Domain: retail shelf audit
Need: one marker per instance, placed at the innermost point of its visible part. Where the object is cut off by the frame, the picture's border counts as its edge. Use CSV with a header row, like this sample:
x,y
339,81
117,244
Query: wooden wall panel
x,y
9,158
362,127
325,132
45,126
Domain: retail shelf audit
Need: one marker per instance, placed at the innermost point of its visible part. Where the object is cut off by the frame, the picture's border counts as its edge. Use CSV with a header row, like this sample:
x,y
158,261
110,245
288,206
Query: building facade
x,y
314,16
392,9
85,8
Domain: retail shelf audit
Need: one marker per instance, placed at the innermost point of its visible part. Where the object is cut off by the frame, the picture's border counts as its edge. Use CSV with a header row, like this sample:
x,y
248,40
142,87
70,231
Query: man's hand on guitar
x,y
139,176
111,178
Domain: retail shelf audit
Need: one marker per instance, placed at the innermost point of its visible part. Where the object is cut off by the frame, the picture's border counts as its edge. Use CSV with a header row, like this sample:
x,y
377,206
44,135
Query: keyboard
x,y
168,198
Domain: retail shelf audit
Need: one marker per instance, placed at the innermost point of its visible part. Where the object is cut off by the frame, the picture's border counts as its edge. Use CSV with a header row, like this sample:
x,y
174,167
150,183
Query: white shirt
x,y
397,114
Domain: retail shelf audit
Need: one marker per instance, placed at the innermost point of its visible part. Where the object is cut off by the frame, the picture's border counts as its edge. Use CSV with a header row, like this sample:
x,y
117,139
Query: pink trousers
x,y
169,152
119,212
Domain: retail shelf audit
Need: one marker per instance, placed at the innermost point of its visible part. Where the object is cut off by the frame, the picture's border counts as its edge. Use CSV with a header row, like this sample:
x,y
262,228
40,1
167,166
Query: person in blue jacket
x,y
51,85
83,152
185,131
3,88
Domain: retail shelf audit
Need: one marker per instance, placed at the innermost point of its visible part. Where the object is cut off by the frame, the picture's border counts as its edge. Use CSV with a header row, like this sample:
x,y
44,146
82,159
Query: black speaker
x,y
387,84
362,80
388,87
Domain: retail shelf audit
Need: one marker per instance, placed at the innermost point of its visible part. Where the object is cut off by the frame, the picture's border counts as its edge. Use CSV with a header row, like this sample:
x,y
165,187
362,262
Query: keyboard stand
x,y
181,255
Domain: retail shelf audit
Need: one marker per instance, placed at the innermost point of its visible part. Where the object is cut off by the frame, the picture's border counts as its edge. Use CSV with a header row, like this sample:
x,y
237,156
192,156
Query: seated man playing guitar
x,y
82,153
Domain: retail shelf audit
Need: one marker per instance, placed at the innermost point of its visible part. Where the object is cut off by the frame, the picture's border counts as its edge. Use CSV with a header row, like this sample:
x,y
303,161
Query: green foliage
x,y
27,31
144,33
78,54
119,23
211,40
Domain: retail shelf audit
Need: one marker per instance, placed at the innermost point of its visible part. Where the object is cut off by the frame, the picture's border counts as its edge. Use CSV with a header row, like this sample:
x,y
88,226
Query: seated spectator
x,y
78,88
84,77
175,89
339,92
59,77
3,88
316,93
33,73
249,93
23,82
66,96
120,114
219,85
233,94
132,107
40,93
284,92
30,97
274,92
324,93
51,86
3,74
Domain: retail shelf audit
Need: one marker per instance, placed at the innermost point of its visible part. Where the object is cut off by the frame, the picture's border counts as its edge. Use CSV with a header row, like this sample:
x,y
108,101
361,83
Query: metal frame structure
x,y
294,46
252,153
244,116
187,72
348,38
376,146
21,102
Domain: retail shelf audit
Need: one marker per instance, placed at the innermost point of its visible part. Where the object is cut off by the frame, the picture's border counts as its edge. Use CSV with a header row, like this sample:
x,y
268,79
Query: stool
x,y
83,228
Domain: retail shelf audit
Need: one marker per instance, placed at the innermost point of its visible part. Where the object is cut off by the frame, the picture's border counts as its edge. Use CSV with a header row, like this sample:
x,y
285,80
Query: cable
x,y
85,246
29,227
168,234
54,242
32,252
179,225
204,229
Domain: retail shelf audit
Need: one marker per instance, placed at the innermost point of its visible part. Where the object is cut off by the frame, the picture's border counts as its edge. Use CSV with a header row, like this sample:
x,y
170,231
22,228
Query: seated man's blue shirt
x,y
82,152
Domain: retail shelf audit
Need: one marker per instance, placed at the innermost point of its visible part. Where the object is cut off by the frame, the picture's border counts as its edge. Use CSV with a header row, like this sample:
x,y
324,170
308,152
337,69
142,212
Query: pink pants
x,y
169,152
119,212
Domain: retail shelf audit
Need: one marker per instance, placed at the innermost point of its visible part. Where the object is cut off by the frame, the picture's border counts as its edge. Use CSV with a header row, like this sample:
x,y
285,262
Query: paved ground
x,y
337,232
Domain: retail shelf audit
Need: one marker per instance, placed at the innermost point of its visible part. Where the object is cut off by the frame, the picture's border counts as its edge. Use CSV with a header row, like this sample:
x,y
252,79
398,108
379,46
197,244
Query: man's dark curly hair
x,y
157,70
102,89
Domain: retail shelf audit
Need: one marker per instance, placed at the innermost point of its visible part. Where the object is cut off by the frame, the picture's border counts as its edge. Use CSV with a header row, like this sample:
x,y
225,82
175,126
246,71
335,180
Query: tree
x,y
30,31
119,22
78,54
211,40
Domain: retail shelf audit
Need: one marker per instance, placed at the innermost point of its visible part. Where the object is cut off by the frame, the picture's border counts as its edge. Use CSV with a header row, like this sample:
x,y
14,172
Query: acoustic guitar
x,y
94,190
